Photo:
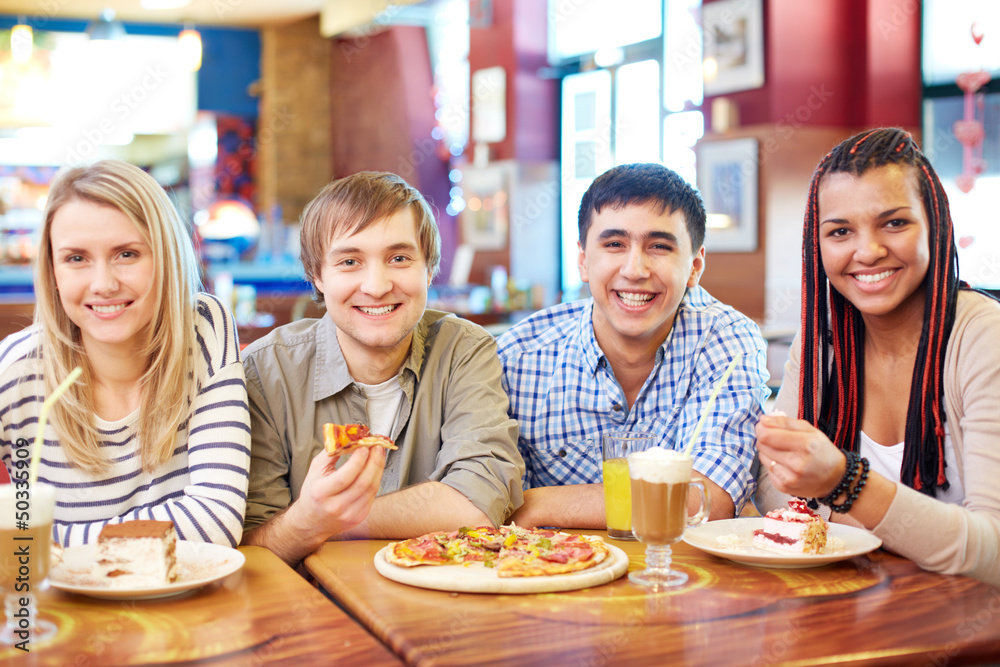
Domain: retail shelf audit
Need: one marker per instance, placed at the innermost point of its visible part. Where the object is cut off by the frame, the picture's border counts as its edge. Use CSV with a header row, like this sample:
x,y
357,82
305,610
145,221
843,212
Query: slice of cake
x,y
795,529
138,554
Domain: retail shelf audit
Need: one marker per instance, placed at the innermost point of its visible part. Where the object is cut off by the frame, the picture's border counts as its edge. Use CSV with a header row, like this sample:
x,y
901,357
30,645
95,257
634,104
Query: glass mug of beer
x,y
660,481
617,489
26,512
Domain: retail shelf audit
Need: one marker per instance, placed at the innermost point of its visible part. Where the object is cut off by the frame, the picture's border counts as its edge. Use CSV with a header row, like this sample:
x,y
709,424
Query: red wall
x,y
847,63
895,89
517,40
382,113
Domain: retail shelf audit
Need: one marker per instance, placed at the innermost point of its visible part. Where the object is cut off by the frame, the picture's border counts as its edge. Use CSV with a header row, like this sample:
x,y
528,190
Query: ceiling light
x,y
710,68
106,27
164,4
609,57
189,42
719,221
21,42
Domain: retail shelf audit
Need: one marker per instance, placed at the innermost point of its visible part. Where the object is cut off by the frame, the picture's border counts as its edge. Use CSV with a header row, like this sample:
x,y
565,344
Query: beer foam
x,y
40,505
660,466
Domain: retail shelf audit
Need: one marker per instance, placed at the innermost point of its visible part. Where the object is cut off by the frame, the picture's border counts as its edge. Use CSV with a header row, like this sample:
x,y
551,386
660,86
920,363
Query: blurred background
x,y
501,112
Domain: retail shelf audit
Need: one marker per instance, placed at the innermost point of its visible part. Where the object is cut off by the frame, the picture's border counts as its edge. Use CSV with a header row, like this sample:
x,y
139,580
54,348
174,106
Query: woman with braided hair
x,y
895,373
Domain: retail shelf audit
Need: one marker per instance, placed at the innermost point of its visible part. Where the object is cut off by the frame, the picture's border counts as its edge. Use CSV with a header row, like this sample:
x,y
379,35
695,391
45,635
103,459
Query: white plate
x,y
198,564
850,541
477,578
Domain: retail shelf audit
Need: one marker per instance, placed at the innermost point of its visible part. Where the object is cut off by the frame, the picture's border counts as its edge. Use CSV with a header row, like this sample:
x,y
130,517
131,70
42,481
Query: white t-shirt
x,y
887,460
383,405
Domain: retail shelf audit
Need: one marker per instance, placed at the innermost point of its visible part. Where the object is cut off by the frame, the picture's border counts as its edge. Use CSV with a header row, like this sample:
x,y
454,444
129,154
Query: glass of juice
x,y
617,489
26,512
661,480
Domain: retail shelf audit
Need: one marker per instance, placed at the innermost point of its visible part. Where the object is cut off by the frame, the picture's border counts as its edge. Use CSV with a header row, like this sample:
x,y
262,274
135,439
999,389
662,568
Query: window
x,y
948,47
637,112
581,27
948,51
586,152
632,94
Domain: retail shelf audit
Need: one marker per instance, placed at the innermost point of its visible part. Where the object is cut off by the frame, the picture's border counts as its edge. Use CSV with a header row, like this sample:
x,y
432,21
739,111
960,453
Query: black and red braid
x,y
831,390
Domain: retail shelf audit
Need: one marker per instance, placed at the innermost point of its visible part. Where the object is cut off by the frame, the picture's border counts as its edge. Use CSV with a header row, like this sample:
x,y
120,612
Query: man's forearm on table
x,y
570,506
280,535
721,505
414,511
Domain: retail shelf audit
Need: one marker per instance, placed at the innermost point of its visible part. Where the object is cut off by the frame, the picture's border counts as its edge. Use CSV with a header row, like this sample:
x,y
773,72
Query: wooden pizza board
x,y
477,578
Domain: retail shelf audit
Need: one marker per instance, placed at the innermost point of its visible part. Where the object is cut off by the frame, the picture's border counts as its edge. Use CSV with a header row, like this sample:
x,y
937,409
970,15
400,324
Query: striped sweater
x,y
202,488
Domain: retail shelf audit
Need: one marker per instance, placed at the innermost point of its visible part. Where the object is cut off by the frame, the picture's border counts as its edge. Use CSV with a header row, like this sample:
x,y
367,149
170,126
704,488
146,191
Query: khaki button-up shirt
x,y
452,424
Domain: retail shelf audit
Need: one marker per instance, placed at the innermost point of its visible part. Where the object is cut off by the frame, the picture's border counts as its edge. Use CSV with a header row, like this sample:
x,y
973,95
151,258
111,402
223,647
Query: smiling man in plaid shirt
x,y
642,354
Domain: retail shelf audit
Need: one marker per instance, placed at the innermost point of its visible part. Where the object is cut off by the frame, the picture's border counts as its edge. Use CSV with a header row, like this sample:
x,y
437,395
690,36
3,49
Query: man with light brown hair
x,y
428,380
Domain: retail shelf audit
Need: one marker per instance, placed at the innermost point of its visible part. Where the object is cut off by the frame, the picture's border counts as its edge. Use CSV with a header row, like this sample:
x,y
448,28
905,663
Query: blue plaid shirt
x,y
564,395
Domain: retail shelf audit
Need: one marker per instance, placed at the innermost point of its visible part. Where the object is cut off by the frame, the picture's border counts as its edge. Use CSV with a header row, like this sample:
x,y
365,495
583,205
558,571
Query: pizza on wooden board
x,y
341,438
511,550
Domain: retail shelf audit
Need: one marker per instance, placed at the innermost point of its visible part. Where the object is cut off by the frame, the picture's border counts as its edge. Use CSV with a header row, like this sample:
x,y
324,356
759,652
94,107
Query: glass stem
x,y
658,557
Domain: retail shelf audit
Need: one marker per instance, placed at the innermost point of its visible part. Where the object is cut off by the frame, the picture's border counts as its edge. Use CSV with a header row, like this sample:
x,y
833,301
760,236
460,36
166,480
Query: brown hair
x,y
349,205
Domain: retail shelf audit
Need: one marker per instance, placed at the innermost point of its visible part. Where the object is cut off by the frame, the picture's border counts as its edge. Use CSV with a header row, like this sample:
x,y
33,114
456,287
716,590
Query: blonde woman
x,y
157,427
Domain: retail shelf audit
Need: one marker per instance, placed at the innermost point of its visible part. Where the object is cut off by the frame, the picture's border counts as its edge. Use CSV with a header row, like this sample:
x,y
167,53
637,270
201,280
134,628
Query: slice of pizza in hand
x,y
341,438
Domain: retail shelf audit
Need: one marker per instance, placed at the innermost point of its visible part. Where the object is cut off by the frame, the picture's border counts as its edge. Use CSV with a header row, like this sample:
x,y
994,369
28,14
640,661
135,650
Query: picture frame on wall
x,y
486,217
728,181
489,105
733,36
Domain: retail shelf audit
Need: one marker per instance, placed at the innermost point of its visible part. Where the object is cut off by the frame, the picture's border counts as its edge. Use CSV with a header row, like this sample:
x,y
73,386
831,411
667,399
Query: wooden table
x,y
877,610
264,614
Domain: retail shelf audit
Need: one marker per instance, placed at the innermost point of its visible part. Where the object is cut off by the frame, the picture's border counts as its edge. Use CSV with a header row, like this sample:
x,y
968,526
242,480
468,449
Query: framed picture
x,y
727,178
734,45
485,219
489,105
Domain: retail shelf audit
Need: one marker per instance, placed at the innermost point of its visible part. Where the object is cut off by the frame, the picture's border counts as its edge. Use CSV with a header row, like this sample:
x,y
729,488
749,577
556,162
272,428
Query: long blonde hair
x,y
168,386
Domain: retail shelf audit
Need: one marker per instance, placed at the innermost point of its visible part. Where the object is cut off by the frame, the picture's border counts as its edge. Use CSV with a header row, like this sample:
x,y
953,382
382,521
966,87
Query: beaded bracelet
x,y
850,472
845,506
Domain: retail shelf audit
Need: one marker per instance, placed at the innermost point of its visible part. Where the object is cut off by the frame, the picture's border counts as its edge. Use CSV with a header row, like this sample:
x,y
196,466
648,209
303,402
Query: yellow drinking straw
x,y
711,402
43,416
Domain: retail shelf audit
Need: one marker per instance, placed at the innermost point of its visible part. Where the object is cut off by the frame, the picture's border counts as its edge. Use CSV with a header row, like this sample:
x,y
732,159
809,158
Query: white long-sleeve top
x,y
202,488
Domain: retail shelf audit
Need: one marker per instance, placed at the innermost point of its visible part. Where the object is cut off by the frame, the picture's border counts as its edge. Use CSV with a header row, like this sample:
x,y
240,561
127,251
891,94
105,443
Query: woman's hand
x,y
800,459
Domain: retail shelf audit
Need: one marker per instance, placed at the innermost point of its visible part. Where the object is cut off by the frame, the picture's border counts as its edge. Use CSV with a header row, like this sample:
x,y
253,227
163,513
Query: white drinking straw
x,y
43,416
711,402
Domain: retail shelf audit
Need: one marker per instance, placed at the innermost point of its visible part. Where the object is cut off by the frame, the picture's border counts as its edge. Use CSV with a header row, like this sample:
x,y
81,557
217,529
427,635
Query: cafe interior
x,y
502,112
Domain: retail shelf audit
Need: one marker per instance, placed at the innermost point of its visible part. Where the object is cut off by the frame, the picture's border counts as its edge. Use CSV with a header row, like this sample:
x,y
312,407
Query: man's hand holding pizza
x,y
332,499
